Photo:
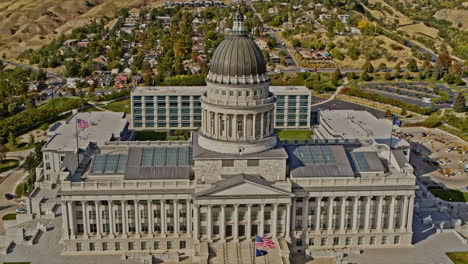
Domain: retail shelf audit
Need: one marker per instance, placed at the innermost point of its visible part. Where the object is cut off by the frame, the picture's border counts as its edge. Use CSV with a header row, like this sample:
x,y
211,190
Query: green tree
x,y
382,67
3,151
459,105
32,141
412,65
12,139
388,76
365,77
368,67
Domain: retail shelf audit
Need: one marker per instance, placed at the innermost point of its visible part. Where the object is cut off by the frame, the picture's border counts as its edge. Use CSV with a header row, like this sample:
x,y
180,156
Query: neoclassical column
x,y
367,213
189,217
391,213
268,123
137,218
150,217
403,213
305,214
236,222
293,216
245,127
111,217
288,222
225,123
196,223
249,221
71,217
342,213
85,219
380,200
66,220
262,125
176,217
216,123
274,226
124,218
163,218
355,212
318,214
272,120
262,220
409,223
235,133
209,223
98,219
254,124
331,200
222,222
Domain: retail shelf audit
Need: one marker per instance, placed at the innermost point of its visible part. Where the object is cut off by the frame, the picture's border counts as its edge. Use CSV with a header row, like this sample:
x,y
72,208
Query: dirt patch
x,y
459,18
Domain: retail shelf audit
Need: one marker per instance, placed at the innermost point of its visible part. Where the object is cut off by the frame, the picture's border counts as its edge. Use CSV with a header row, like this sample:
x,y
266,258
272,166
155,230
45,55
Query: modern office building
x,y
233,180
179,107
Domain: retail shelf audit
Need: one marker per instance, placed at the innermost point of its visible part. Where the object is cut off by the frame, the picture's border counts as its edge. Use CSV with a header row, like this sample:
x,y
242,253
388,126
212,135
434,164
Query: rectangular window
x,y
156,244
311,242
324,241
384,240
396,240
78,247
348,241
183,244
117,246
253,163
137,98
169,244
143,245
227,163
92,247
104,246
130,245
336,241
372,240
360,240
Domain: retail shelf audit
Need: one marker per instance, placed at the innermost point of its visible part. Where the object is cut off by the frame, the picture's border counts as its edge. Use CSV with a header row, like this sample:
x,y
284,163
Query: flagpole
x,y
391,142
77,146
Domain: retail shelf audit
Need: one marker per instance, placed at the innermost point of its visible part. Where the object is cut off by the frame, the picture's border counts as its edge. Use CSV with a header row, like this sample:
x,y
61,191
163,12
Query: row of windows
x,y
164,124
131,245
239,93
280,124
163,97
250,163
163,104
349,241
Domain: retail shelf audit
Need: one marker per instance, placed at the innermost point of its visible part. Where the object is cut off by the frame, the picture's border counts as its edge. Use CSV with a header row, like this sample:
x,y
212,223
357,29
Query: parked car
x,y
9,196
20,210
466,168
441,163
23,202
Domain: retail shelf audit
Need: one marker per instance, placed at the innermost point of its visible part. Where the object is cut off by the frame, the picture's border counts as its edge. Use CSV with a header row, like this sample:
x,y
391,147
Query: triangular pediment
x,y
246,189
243,187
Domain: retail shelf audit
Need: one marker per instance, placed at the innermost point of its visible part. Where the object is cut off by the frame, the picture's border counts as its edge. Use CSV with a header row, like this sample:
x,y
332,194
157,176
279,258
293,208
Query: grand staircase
x,y
243,252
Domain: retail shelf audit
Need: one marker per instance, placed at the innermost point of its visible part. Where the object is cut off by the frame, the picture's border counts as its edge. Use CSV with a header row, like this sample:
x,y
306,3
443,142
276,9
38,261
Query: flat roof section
x,y
198,90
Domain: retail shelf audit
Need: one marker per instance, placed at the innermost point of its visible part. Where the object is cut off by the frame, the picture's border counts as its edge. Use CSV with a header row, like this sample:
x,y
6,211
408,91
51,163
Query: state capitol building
x,y
232,180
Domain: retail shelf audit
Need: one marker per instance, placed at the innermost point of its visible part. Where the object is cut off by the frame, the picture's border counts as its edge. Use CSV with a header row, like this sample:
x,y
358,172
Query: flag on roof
x,y
264,242
397,122
81,123
259,252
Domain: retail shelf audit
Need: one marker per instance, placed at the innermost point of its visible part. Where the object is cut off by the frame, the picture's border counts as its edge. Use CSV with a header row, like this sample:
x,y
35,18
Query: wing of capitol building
x,y
232,180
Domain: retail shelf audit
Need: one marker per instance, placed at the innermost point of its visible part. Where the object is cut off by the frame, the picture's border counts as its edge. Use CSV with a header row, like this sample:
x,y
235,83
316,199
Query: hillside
x,y
30,24
459,18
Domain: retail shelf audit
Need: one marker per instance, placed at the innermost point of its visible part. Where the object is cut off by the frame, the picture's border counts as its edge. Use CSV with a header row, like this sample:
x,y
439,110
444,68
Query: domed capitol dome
x,y
237,108
238,59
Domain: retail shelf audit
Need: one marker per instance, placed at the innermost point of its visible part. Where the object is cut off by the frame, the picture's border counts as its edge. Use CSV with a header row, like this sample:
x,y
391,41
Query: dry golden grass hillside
x,y
459,18
32,23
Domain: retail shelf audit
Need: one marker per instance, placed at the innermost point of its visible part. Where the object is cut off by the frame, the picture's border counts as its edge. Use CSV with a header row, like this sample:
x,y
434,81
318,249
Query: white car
x,y
442,163
20,210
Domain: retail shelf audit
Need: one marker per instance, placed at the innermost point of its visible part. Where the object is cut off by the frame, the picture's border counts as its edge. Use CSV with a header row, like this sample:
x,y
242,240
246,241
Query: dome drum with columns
x,y
238,108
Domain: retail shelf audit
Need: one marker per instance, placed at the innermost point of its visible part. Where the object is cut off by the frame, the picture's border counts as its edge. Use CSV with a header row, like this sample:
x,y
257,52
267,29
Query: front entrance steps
x,y
243,252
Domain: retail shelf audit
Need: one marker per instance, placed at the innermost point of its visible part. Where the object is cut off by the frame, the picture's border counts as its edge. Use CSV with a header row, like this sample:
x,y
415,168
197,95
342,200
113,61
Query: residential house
x,y
105,80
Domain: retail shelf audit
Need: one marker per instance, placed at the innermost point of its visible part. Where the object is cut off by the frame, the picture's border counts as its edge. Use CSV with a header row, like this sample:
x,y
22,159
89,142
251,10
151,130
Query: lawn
x,y
119,106
160,135
20,146
91,109
458,257
8,164
9,217
450,195
58,102
150,135
286,134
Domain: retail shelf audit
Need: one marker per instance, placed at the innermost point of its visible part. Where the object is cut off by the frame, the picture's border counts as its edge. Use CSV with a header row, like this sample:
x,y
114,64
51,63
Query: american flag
x,y
264,242
81,123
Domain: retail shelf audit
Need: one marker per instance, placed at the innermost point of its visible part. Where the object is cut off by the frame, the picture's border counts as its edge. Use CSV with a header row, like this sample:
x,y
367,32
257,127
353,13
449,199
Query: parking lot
x,y
439,156
413,92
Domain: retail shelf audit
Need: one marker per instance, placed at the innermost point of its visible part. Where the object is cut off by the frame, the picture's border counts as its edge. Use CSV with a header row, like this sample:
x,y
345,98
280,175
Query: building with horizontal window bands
x,y
179,107
352,124
234,179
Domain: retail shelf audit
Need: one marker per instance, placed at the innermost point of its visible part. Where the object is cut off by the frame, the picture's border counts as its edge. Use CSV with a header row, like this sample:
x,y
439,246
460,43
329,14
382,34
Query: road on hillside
x,y
50,75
